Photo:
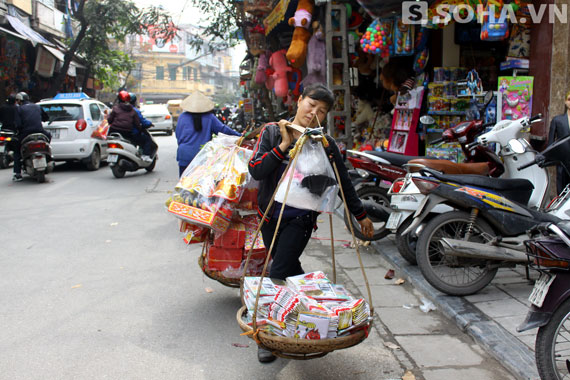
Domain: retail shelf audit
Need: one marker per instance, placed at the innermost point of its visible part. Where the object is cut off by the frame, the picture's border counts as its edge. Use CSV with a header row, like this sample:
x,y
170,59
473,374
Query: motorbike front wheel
x,y
551,345
117,171
380,197
453,275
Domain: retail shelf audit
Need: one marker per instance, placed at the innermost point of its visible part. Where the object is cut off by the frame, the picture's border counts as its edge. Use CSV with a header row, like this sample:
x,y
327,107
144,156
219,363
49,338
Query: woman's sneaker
x,y
17,178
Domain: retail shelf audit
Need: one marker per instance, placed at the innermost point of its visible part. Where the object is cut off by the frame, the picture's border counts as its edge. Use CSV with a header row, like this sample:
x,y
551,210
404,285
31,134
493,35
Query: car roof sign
x,y
71,95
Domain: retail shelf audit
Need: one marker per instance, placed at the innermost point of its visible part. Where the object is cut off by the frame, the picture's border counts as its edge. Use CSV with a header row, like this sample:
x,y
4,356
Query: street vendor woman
x,y
267,165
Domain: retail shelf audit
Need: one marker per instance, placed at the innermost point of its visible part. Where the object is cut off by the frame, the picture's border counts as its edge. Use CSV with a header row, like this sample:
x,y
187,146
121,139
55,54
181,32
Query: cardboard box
x,y
219,220
234,237
223,258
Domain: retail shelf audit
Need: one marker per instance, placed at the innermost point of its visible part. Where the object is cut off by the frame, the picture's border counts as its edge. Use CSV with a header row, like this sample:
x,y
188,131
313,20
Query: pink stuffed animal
x,y
278,62
260,75
316,57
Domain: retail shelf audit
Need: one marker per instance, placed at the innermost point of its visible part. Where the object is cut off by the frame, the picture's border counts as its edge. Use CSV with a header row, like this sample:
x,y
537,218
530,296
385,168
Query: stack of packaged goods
x,y
307,306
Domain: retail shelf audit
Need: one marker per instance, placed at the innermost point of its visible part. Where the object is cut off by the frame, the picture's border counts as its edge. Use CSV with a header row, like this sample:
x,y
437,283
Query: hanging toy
x,y
422,51
493,28
403,38
378,38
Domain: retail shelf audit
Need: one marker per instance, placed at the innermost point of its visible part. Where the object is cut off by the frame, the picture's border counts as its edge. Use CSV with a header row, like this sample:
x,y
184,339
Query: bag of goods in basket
x,y
308,306
212,185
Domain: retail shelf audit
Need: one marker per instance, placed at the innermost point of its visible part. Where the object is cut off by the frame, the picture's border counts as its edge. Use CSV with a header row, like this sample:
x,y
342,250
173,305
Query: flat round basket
x,y
216,275
301,349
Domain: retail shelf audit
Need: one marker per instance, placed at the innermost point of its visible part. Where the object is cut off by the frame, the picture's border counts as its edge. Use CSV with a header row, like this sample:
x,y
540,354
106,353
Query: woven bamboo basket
x,y
301,349
216,275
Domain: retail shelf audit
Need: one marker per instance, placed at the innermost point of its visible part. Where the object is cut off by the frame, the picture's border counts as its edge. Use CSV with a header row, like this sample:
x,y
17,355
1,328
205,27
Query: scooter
x,y
405,196
36,156
124,156
459,252
548,252
381,170
6,148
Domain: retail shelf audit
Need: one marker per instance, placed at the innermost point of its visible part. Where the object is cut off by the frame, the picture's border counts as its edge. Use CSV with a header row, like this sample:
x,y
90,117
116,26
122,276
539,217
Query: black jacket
x,y
9,117
267,158
559,129
30,119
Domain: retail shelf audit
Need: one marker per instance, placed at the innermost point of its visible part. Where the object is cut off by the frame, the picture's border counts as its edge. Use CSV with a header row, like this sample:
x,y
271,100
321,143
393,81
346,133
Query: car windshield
x,y
63,112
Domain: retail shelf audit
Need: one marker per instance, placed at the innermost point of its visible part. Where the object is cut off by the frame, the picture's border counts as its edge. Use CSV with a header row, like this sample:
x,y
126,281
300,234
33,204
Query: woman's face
x,y
308,110
567,102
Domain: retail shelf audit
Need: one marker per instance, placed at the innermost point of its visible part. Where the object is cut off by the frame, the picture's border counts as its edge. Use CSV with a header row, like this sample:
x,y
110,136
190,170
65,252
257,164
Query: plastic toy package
x,y
314,186
212,185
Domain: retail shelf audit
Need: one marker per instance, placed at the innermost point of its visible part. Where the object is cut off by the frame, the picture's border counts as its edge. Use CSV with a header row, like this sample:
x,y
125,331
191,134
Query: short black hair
x,y
319,91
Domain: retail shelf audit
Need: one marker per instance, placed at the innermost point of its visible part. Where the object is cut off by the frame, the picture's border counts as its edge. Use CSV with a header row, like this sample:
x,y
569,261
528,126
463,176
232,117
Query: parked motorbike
x,y
36,156
378,171
124,155
6,148
549,253
405,196
459,252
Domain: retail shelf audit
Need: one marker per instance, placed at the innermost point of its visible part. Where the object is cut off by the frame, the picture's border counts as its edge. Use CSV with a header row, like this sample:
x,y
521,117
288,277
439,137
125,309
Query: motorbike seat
x,y
515,189
118,136
35,137
394,158
450,167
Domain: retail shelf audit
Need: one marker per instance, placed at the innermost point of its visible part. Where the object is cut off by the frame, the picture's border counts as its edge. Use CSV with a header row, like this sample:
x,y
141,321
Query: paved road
x,y
95,282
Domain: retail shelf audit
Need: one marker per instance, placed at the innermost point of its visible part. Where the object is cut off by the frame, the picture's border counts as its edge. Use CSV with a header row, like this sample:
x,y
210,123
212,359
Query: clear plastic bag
x,y
212,185
314,186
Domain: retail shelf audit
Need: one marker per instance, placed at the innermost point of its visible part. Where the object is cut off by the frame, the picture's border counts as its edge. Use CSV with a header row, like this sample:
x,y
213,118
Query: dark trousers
x,y
17,157
292,238
562,178
144,140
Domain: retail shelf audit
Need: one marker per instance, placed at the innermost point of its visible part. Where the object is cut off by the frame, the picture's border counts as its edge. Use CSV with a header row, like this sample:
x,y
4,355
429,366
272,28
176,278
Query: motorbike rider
x,y
122,119
142,135
28,121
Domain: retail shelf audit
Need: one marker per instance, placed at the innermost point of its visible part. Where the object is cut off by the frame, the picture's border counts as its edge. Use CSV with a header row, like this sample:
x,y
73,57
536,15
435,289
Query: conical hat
x,y
197,102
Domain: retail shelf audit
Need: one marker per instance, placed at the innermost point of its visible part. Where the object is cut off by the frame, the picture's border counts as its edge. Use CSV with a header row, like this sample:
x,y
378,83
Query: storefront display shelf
x,y
447,113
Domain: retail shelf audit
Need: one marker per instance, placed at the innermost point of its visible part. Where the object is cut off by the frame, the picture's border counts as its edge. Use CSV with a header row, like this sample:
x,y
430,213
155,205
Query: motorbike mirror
x,y
516,146
427,120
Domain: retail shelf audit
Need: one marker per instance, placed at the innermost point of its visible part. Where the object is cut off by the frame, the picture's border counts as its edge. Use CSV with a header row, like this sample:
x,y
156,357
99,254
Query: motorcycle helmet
x,y
22,96
124,96
11,99
133,97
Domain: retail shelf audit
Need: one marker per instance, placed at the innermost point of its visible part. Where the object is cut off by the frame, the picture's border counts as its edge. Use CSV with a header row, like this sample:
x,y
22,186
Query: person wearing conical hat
x,y
195,127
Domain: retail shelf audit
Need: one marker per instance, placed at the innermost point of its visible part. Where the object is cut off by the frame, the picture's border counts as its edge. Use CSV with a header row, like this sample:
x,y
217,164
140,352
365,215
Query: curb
x,y
493,338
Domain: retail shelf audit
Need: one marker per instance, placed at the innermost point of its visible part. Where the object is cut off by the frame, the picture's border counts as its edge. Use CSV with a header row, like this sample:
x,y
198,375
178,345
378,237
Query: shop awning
x,y
30,34
384,8
17,35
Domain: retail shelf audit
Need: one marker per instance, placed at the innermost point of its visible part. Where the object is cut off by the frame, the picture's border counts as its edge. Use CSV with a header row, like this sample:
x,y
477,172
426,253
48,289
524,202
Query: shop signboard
x,y
248,109
45,63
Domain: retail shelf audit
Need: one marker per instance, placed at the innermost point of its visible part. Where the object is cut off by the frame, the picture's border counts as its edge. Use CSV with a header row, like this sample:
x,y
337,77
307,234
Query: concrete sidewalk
x,y
428,344
490,316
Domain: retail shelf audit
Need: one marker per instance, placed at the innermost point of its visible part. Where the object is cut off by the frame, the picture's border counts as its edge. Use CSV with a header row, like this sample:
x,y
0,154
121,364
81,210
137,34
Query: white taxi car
x,y
74,122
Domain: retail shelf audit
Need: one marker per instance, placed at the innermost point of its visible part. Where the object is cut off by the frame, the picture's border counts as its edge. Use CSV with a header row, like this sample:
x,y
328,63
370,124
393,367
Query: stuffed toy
x,y
278,62
294,77
316,57
260,74
364,113
297,52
